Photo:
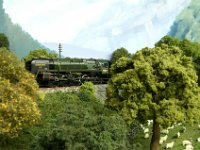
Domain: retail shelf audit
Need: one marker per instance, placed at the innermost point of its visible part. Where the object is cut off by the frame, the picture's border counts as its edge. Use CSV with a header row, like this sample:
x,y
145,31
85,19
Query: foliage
x,y
87,91
191,49
40,53
41,95
118,53
17,94
158,84
69,123
170,41
4,41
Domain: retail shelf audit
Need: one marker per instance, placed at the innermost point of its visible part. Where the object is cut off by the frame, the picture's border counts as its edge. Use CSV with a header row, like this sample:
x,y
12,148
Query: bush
x,y
87,91
69,123
18,108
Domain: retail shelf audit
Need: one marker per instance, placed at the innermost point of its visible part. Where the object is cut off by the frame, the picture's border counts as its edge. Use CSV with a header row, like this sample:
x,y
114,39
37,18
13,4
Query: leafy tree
x,y
40,53
158,84
17,94
121,52
191,49
170,41
4,41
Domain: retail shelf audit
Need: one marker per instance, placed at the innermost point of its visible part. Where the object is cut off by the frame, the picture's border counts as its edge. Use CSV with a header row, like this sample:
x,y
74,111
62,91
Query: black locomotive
x,y
68,71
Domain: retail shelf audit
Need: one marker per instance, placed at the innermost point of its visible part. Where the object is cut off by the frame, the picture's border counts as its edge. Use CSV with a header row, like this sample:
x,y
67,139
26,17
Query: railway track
x,y
100,90
61,89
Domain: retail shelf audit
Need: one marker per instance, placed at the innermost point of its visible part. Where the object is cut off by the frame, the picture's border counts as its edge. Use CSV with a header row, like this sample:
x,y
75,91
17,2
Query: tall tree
x,y
158,84
118,53
4,41
18,89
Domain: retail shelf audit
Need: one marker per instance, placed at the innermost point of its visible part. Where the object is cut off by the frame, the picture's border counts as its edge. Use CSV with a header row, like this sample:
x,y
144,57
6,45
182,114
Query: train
x,y
69,71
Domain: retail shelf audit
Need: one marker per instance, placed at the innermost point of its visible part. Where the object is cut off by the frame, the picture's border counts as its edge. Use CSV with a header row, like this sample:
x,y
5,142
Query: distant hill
x,y
187,23
21,42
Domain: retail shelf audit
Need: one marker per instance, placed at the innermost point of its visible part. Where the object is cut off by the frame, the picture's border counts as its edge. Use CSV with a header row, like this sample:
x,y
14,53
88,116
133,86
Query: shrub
x,y
87,91
69,123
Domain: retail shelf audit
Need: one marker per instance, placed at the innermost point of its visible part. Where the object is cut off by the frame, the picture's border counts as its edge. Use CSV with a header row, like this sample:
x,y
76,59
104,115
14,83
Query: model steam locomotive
x,y
68,71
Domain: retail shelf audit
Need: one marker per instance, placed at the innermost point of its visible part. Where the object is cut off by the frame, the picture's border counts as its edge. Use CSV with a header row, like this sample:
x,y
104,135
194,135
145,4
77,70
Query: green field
x,y
191,133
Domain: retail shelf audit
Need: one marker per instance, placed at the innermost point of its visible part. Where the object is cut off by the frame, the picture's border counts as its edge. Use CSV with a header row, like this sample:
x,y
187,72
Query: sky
x,y
99,25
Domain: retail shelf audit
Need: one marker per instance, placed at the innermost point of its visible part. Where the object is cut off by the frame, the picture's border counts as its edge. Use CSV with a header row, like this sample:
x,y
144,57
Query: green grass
x,y
192,133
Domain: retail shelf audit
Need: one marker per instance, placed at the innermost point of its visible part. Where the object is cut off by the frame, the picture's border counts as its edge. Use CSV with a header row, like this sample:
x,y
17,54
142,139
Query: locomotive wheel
x,y
53,83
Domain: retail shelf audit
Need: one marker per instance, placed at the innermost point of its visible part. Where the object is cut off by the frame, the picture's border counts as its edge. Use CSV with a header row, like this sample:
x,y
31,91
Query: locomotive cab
x,y
38,65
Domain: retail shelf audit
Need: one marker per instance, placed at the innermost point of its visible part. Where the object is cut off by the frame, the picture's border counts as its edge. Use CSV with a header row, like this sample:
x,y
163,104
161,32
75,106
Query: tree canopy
x,y
4,41
118,53
18,108
40,53
156,83
191,49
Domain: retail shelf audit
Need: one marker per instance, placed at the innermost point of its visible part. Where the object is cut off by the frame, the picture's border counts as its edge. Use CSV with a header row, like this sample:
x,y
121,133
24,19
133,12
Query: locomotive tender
x,y
69,71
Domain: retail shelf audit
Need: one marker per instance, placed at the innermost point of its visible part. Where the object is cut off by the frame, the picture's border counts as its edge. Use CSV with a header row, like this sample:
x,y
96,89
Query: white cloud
x,y
96,24
131,25
50,20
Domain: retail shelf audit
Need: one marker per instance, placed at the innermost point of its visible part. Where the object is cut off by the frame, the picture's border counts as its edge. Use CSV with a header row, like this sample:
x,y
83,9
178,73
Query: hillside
x,y
186,25
21,42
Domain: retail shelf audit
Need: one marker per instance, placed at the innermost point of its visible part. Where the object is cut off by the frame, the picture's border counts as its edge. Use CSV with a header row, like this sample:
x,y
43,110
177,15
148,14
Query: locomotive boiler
x,y
69,71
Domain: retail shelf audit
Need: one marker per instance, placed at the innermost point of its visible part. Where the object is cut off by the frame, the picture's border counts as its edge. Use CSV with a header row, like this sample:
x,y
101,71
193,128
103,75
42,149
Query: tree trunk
x,y
156,136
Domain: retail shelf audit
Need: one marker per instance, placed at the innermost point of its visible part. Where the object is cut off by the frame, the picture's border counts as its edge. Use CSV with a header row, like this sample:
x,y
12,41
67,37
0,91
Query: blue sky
x,y
101,25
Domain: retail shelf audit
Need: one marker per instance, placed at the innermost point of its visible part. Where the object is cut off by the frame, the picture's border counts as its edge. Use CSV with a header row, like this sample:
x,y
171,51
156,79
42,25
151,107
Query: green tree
x,y
4,41
170,41
191,49
121,52
158,84
40,53
18,108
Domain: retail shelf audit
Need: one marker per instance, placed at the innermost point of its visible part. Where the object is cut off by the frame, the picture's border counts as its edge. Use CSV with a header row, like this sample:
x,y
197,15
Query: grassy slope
x,y
192,132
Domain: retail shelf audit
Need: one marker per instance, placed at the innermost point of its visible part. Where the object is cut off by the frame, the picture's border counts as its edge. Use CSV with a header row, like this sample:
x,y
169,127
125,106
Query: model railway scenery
x,y
99,75
69,72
